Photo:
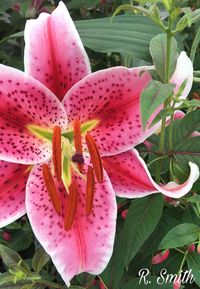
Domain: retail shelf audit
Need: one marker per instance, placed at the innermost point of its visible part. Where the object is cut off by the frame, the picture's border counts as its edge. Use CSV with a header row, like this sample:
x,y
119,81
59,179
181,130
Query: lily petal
x,y
88,245
183,72
54,53
25,101
112,97
12,191
131,178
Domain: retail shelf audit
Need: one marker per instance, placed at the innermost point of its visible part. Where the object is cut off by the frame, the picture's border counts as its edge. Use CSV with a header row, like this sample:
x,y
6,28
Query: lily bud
x,y
160,257
6,236
177,283
191,248
101,285
124,213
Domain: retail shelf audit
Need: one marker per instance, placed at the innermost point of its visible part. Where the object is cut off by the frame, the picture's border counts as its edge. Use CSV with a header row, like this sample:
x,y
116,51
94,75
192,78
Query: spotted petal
x,y
131,178
88,245
12,191
54,53
112,97
183,73
25,101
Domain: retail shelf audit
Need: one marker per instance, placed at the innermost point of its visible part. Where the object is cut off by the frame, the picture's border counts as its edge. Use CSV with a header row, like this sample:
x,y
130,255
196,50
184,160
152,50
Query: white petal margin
x,y
131,178
183,72
172,189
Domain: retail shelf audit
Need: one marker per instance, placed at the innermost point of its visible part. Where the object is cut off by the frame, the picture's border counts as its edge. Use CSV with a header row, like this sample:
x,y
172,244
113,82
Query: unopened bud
x,y
160,257
177,283
124,213
191,248
6,236
198,248
101,285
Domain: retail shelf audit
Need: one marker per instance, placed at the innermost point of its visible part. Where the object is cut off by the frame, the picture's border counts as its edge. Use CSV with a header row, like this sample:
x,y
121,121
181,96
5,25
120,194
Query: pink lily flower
x,y
68,217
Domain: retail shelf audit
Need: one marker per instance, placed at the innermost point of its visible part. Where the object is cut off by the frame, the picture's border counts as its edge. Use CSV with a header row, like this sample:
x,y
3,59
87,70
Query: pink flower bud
x,y
16,7
101,285
177,283
6,236
198,248
124,213
191,248
160,257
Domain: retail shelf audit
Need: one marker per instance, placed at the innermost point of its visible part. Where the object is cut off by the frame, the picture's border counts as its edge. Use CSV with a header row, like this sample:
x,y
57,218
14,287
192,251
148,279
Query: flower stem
x,y
167,77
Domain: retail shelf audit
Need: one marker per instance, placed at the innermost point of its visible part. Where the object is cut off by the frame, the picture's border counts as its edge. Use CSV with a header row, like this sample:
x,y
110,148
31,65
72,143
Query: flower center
x,y
68,156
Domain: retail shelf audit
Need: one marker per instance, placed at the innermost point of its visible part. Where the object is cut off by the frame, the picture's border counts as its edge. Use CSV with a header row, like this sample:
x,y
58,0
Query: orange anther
x,y
90,188
51,188
95,157
56,148
78,140
71,206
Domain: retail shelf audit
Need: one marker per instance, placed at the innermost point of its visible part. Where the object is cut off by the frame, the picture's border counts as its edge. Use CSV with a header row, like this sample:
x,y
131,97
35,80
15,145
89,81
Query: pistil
x,y
71,206
51,188
95,157
90,189
56,149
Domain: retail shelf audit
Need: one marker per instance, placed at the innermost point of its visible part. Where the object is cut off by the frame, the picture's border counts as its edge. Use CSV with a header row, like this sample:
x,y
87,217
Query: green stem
x,y
167,77
183,262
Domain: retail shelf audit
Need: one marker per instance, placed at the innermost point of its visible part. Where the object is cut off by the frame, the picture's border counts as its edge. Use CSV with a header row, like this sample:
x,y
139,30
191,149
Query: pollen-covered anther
x,y
90,189
56,148
95,157
78,142
51,188
71,206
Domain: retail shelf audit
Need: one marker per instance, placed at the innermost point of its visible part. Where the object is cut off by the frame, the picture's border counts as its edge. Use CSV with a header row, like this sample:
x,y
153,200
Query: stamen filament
x,y
56,148
71,206
90,189
51,188
95,157
78,141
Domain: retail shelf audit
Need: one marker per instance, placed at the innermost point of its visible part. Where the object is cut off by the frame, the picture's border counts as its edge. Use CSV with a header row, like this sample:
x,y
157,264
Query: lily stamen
x,y
51,188
95,157
56,150
71,206
78,141
90,189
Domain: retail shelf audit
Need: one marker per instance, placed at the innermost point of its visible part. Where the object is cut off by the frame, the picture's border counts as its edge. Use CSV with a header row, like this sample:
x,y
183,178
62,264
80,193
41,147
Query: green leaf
x,y
180,235
188,151
193,261
152,97
143,216
186,127
129,34
21,240
40,259
158,46
12,259
76,4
